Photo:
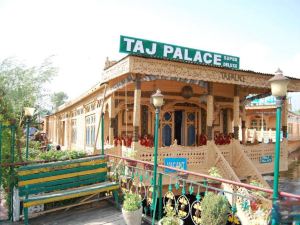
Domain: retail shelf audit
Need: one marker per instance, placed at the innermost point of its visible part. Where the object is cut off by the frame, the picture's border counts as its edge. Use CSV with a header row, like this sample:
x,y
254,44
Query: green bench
x,y
57,181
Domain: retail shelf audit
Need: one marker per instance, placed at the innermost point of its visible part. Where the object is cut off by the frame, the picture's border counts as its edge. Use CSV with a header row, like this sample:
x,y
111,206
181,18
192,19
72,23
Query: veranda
x,y
202,119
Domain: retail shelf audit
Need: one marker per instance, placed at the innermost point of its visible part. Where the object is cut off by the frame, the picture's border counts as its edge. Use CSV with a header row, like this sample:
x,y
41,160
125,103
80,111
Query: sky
x,y
80,34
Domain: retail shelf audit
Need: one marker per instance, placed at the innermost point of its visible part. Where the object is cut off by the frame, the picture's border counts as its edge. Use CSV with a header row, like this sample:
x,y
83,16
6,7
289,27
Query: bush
x,y
215,209
132,202
61,155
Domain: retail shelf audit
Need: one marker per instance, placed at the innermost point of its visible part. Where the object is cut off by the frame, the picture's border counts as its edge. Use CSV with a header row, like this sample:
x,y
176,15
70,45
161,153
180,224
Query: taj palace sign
x,y
160,50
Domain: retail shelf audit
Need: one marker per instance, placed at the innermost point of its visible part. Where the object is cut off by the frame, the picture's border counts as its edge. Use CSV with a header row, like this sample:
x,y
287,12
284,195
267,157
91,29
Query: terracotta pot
x,y
134,217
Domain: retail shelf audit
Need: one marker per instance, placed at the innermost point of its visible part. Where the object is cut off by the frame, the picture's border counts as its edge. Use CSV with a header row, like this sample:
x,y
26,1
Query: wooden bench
x,y
57,181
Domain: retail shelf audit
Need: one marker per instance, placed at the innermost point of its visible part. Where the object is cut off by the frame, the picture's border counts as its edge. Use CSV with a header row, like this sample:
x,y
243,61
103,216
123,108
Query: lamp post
x,y
279,89
157,100
28,112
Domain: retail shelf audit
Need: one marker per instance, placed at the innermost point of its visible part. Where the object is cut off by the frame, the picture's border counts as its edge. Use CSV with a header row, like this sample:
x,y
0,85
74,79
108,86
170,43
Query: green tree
x,y
58,98
22,86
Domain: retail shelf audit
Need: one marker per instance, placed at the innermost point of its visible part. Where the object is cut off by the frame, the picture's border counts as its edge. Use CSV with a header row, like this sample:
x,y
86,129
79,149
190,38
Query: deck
x,y
101,213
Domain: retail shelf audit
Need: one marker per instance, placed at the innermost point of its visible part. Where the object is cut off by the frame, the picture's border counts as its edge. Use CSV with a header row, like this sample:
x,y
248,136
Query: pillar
x,y
229,121
285,118
210,112
236,112
136,110
221,121
243,124
111,114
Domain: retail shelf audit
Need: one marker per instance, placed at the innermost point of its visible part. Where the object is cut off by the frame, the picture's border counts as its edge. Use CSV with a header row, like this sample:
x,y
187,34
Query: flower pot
x,y
134,217
180,222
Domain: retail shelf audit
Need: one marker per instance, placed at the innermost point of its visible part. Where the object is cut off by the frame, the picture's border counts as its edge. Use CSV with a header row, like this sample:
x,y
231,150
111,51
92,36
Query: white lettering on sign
x,y
197,57
177,54
179,165
129,41
217,59
138,47
186,55
168,50
206,59
173,52
153,51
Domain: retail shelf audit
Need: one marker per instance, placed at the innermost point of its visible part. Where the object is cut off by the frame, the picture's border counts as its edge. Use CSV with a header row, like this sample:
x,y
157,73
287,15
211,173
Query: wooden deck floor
x,y
103,213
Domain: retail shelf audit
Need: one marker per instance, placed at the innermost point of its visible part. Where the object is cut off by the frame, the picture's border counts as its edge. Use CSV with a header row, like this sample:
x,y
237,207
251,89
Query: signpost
x,y
160,50
179,163
265,159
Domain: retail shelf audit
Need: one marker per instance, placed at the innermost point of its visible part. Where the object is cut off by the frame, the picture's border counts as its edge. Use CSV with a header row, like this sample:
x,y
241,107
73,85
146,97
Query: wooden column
x,y
111,114
210,112
236,113
229,121
136,109
284,120
243,124
221,115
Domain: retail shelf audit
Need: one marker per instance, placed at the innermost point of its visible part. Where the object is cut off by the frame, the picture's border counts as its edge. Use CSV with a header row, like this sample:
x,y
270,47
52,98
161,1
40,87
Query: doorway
x,y
178,126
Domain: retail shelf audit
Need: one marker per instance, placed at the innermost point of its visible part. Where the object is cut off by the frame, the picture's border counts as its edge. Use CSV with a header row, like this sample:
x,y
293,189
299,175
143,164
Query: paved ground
x,y
103,213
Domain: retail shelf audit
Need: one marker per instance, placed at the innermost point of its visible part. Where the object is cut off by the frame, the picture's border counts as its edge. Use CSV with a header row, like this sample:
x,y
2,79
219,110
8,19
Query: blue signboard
x,y
265,159
179,163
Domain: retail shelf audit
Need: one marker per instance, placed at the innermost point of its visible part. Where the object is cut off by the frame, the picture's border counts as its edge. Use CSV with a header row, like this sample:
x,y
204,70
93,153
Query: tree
x,y
58,98
22,86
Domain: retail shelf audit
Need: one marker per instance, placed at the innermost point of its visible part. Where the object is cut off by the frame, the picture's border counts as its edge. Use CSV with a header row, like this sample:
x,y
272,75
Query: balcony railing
x,y
186,189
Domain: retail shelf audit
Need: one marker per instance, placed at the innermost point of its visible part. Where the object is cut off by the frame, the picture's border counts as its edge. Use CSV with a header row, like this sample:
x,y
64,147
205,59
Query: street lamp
x,y
157,100
28,112
279,89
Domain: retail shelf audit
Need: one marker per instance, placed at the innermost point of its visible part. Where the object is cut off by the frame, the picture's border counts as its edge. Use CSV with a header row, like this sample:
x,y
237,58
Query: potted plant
x,y
132,209
215,209
214,172
170,218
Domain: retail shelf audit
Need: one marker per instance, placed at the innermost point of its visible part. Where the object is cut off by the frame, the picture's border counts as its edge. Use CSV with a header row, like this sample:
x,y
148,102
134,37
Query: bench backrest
x,y
48,177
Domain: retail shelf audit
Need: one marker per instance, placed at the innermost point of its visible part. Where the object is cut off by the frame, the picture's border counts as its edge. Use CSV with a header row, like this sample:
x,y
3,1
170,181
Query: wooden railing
x,y
262,156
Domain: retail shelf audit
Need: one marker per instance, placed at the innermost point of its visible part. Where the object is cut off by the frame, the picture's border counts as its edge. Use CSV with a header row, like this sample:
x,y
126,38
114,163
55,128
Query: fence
x,y
249,204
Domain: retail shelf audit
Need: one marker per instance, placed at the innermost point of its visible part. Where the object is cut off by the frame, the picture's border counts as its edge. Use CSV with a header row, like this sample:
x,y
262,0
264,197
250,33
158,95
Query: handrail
x,y
248,186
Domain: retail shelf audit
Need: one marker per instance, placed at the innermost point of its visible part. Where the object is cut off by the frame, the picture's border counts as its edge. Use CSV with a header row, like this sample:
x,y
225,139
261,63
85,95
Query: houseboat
x,y
203,119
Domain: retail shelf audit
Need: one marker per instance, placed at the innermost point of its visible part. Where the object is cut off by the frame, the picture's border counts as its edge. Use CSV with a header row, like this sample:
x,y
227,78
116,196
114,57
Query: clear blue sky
x,y
80,33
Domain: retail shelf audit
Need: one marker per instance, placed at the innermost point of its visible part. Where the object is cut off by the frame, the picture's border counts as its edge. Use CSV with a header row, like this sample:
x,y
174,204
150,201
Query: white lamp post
x,y
157,100
279,89
28,112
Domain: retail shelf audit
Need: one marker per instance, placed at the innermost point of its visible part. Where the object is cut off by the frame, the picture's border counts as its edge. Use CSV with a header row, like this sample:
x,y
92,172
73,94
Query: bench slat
x,y
59,172
61,163
92,180
63,176
53,168
70,194
54,183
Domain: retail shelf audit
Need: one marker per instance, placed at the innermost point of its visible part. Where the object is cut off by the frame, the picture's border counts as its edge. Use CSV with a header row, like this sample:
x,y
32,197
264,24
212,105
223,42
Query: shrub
x,y
215,209
132,202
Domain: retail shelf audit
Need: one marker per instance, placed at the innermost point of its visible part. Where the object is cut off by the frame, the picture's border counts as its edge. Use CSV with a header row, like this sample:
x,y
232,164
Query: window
x,y
256,124
90,130
74,132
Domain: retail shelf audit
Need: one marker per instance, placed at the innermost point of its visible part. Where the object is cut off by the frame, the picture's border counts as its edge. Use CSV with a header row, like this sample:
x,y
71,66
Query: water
x,y
289,181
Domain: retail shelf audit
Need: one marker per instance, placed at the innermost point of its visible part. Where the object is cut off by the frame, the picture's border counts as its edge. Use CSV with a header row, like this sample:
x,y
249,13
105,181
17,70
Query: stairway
x,y
244,167
237,165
